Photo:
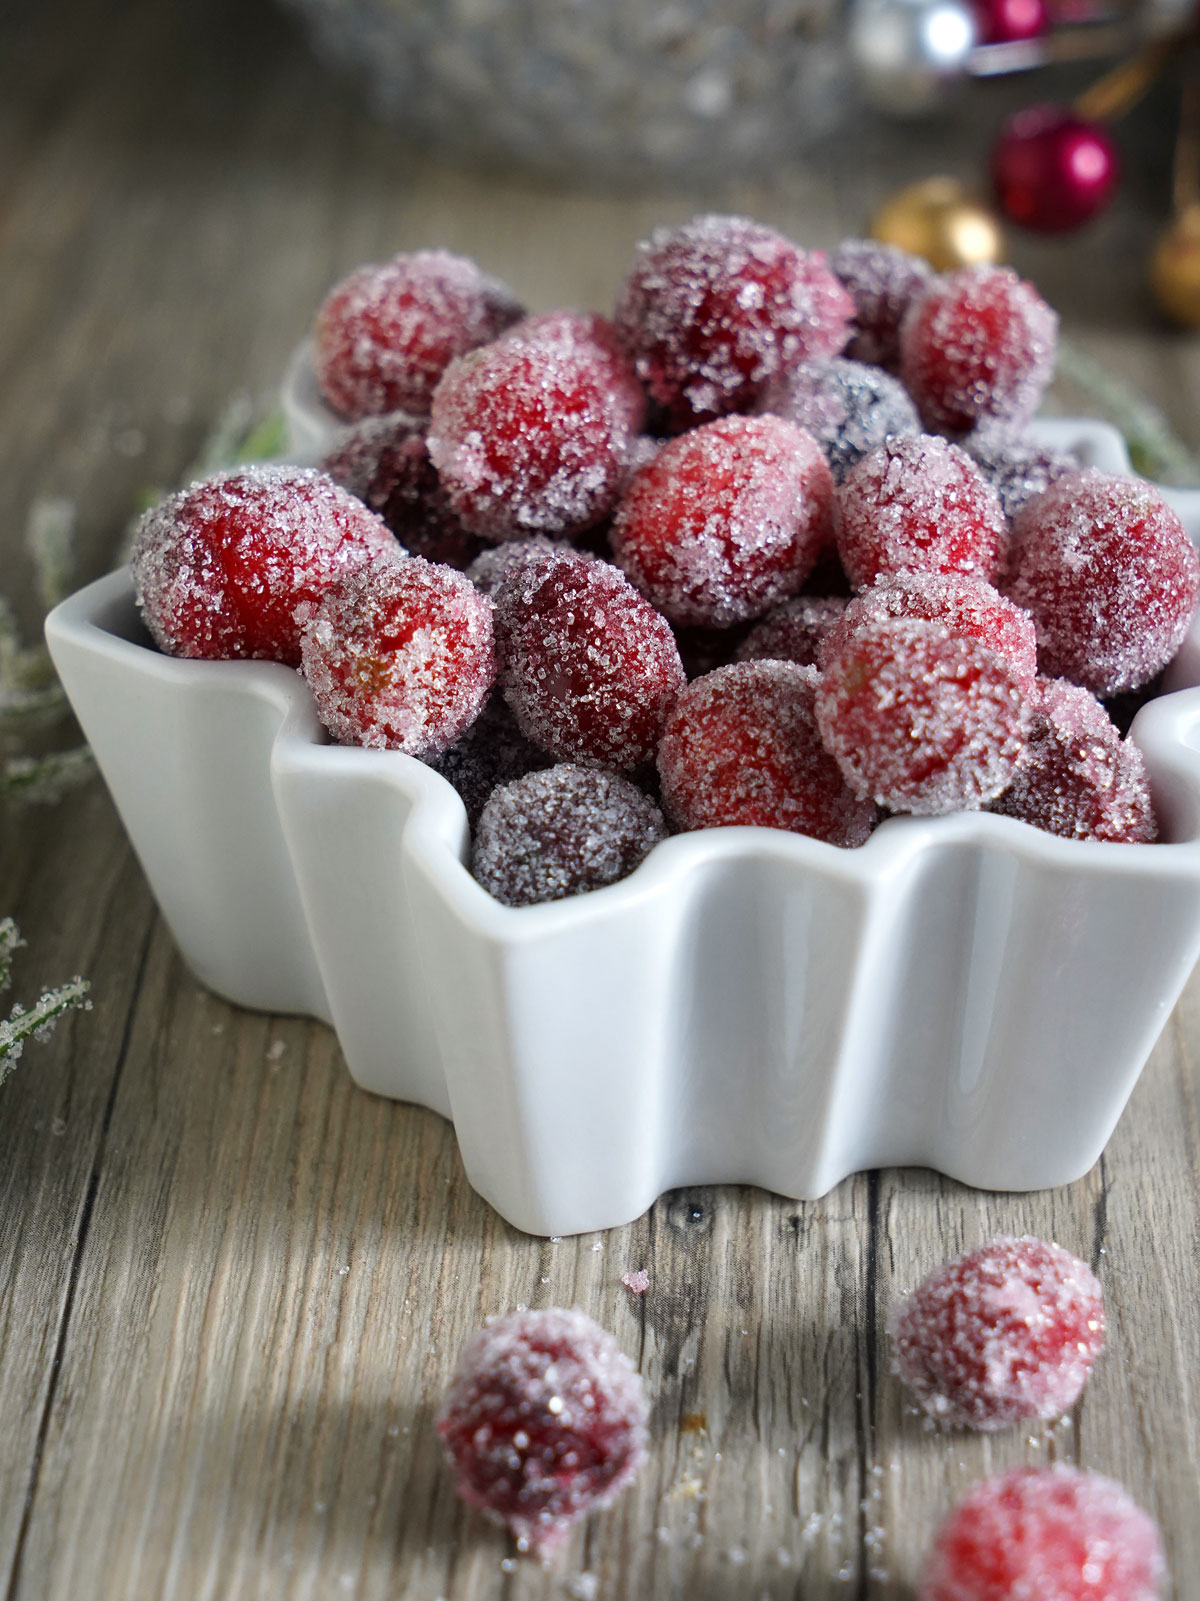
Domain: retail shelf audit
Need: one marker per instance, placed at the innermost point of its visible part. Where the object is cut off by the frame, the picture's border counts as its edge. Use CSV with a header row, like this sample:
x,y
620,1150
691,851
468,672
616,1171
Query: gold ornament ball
x,y
940,220
1175,269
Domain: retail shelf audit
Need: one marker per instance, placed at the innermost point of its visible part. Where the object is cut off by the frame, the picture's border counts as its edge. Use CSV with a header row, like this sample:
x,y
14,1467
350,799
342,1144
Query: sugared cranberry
x,y
726,520
741,747
1054,1534
1017,467
531,434
961,603
978,344
846,406
385,462
711,310
883,282
1110,576
793,632
563,832
386,333
493,564
1005,1332
918,503
589,668
399,655
493,751
221,568
919,719
1077,777
544,1421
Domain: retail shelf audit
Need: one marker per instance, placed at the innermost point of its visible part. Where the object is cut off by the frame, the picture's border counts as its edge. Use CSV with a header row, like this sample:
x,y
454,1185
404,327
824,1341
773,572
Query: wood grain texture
x,y
233,1285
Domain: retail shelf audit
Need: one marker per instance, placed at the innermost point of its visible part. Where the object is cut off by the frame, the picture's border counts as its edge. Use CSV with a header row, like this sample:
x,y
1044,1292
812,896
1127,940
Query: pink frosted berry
x,y
531,435
1006,1332
978,344
726,520
883,282
713,309
1017,467
1077,777
1110,576
919,719
742,747
562,832
386,333
589,668
221,568
962,603
399,655
544,1421
385,462
847,407
917,502
793,631
1045,1534
494,563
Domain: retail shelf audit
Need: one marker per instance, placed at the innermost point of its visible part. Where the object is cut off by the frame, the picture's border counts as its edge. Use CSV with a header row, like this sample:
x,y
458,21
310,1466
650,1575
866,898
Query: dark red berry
x,y
883,282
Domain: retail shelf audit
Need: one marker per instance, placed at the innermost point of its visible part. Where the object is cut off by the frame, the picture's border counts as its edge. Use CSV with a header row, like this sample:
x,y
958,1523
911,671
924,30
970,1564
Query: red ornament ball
x,y
1010,21
1006,1332
711,310
1110,576
1056,1534
399,656
1053,170
562,832
742,747
589,668
532,434
221,568
544,1421
726,520
385,334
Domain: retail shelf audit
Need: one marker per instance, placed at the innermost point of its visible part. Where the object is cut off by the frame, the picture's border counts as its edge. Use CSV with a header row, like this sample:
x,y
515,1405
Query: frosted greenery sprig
x,y
1154,449
35,1022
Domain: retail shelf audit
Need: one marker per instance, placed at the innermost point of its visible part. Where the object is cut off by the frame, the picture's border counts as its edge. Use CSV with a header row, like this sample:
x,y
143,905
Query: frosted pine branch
x,y
44,780
37,1023
50,540
10,942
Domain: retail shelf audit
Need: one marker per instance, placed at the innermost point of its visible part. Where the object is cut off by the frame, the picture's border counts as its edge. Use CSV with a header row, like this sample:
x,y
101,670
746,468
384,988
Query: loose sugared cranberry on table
x,y
544,1421
400,656
918,719
962,603
386,333
221,568
918,502
1045,1534
1110,576
589,668
726,520
742,747
562,832
978,345
1077,777
846,406
385,462
532,434
883,282
1006,1332
793,631
712,310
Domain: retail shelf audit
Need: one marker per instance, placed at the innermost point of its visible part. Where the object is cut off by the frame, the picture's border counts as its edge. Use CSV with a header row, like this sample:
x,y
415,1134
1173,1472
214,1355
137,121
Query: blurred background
x,y
179,185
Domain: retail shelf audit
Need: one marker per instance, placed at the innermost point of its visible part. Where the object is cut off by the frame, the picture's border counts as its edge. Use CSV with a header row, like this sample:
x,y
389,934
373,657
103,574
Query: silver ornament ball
x,y
908,53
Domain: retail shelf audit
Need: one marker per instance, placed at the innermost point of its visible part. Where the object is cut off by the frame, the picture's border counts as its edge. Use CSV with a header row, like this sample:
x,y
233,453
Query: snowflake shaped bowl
x,y
962,993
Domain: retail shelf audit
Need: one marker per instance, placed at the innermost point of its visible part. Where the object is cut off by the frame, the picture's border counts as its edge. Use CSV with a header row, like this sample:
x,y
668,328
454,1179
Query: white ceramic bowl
x,y
964,993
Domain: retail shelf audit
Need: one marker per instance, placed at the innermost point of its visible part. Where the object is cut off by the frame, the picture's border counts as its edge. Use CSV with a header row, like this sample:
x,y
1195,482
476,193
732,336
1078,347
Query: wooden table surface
x,y
233,1285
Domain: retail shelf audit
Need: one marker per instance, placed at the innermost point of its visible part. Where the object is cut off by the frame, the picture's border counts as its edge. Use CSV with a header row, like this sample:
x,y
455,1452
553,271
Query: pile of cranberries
x,y
696,565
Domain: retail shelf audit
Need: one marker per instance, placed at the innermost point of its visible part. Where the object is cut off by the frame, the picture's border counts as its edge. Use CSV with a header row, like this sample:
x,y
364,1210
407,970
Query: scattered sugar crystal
x,y
637,1283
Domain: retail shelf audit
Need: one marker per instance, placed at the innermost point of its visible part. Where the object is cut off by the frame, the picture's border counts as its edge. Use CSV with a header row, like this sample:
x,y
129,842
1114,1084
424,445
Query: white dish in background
x,y
963,993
